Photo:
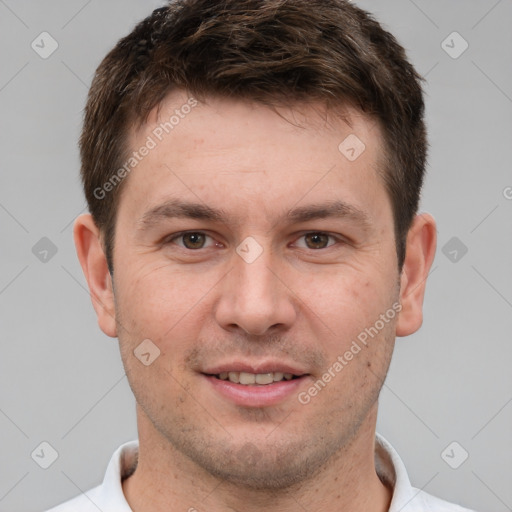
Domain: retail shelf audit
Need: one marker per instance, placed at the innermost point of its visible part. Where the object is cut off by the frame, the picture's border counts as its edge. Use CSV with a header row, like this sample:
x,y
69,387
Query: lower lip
x,y
256,395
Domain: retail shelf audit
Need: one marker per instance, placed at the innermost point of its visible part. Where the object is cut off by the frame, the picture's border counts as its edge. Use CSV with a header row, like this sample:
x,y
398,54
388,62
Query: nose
x,y
254,297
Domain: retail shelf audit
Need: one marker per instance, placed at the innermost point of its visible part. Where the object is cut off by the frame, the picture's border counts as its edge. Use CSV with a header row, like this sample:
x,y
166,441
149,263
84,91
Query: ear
x,y
420,252
94,265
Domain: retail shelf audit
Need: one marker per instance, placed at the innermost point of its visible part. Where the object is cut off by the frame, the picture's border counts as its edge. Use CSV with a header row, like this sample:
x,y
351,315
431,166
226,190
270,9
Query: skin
x,y
302,301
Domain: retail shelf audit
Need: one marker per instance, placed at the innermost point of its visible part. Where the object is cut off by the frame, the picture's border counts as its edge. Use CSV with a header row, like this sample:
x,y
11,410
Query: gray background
x,y
61,379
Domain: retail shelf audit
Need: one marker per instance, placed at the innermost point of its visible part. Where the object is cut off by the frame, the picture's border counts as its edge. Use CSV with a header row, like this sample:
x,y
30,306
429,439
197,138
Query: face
x,y
251,244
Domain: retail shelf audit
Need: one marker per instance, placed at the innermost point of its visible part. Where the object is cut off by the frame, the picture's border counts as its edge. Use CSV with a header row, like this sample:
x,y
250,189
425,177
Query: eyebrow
x,y
178,208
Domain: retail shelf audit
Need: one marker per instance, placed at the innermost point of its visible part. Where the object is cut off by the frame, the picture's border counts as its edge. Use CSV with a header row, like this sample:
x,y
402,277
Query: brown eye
x,y
193,240
317,240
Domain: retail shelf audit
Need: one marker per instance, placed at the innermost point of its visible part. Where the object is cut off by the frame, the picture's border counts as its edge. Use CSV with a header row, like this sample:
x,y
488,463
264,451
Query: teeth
x,y
248,379
234,377
264,378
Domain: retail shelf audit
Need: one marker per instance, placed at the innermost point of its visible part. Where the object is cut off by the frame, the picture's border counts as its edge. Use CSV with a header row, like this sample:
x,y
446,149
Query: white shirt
x,y
109,497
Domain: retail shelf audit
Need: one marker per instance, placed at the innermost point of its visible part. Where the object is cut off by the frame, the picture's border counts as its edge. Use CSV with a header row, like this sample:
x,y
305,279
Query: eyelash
x,y
176,236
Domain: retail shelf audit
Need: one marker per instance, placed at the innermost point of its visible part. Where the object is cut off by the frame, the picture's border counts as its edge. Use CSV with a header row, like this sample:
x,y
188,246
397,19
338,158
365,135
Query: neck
x,y
166,479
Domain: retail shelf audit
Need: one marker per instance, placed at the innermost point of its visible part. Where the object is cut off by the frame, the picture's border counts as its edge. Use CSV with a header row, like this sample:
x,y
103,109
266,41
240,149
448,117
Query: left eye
x,y
317,240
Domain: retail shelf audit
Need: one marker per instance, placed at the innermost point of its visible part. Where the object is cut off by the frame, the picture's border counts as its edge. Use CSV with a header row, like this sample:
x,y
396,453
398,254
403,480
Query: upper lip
x,y
262,367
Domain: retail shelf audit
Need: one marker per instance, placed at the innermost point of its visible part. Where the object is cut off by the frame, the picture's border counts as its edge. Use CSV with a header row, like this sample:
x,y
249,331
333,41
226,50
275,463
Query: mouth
x,y
254,379
253,386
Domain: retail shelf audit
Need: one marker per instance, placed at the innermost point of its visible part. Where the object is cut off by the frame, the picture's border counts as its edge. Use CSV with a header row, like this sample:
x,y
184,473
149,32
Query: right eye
x,y
192,240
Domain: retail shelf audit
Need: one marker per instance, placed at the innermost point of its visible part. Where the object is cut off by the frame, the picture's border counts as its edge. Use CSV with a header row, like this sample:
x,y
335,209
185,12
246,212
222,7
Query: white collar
x,y
109,496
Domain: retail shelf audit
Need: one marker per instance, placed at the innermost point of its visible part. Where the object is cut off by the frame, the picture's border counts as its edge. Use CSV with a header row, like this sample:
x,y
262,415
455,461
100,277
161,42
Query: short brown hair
x,y
267,51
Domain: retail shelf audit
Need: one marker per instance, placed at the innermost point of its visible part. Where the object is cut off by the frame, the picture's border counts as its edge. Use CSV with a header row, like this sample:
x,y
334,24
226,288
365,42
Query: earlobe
x,y
94,265
420,252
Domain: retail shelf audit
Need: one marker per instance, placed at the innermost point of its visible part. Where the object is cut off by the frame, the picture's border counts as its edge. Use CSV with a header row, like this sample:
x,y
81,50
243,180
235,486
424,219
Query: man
x,y
253,170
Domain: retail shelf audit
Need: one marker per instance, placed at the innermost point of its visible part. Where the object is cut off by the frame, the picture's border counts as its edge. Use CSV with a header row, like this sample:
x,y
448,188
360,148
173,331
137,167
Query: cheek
x,y
156,299
162,306
347,302
166,306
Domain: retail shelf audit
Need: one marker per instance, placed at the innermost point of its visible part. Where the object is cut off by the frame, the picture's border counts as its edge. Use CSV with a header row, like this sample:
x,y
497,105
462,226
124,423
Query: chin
x,y
266,475
270,468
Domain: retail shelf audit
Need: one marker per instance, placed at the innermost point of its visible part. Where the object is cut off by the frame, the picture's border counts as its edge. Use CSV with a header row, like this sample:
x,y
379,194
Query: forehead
x,y
231,153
